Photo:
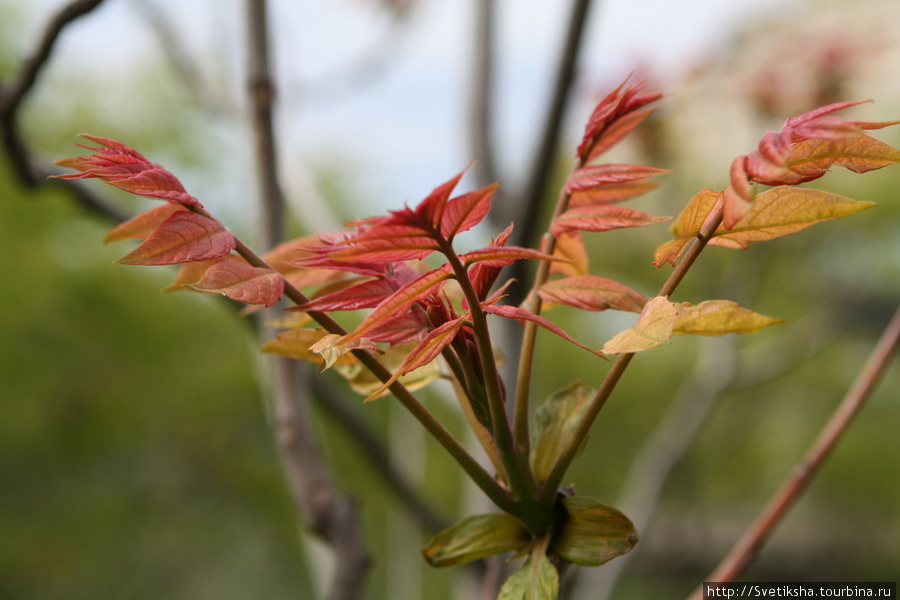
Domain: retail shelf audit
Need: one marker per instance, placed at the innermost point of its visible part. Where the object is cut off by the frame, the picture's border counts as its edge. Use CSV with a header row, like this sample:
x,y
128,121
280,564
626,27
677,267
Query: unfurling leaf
x,y
474,538
601,217
239,281
364,383
538,579
183,237
590,292
331,348
593,533
121,166
654,327
784,210
143,224
556,420
718,317
615,116
425,352
296,343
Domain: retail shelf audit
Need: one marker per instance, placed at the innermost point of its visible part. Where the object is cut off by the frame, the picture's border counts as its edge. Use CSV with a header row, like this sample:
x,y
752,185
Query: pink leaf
x,y
183,237
239,281
466,211
125,168
589,292
590,177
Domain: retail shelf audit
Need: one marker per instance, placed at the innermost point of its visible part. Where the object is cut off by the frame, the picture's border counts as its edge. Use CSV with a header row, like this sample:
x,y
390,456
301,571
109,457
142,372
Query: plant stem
x,y
554,479
497,493
529,337
521,479
746,549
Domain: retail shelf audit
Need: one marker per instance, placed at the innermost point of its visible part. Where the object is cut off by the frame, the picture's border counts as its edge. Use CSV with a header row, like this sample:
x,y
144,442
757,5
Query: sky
x,y
402,132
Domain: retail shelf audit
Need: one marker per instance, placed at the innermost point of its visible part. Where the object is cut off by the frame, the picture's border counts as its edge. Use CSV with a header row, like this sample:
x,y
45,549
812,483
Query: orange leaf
x,y
183,237
784,210
861,153
570,247
590,177
331,348
466,211
589,292
143,224
189,273
239,281
688,224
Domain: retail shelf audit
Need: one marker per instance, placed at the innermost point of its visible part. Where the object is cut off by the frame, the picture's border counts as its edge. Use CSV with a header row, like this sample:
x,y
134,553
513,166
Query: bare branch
x,y
747,548
539,174
332,516
13,94
481,95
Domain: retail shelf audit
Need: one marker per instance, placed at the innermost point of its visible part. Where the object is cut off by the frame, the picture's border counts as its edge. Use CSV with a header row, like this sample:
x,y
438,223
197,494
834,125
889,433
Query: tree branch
x,y
747,548
330,515
481,96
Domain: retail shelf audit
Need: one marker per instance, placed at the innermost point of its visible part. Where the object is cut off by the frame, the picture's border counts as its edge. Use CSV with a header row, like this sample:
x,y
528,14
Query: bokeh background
x,y
136,455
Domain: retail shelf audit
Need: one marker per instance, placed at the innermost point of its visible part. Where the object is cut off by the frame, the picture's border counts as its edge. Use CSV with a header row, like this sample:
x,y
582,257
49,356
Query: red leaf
x,y
400,302
503,256
602,131
466,211
431,209
368,294
587,178
611,194
425,352
589,292
125,168
483,275
239,281
183,237
601,217
512,312
143,224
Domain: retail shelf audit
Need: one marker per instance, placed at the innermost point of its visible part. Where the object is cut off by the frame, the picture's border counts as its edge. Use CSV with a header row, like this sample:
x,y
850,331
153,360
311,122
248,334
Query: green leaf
x,y
536,580
474,538
593,533
557,419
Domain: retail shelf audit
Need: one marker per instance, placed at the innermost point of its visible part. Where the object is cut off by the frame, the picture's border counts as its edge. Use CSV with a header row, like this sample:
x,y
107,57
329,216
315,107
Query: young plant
x,y
432,320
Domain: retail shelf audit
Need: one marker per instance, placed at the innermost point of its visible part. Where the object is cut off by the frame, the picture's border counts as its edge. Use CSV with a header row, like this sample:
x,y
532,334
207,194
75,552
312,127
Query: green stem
x,y
529,337
497,493
521,479
554,479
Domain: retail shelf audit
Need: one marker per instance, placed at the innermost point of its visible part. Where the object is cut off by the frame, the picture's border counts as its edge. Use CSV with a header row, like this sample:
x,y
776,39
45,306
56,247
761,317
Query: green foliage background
x,y
136,456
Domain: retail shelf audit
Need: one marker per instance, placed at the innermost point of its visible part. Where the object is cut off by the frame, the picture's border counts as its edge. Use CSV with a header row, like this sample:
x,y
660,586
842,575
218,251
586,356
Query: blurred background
x,y
136,454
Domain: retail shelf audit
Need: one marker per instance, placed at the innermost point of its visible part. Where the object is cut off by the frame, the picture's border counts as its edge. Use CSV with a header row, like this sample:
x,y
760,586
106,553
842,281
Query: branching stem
x,y
618,368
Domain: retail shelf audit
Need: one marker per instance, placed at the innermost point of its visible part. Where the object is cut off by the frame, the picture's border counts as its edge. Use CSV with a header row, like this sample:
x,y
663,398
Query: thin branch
x,y
618,368
747,548
13,94
332,516
541,167
481,96
329,400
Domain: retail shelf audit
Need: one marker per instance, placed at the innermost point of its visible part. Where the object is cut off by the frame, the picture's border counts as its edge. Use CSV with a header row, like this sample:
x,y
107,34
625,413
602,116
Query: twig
x,y
747,548
329,400
524,235
481,96
331,515
12,96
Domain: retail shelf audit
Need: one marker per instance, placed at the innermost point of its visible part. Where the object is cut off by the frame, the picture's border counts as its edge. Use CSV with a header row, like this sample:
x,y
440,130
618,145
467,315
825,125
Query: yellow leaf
x,y
297,343
718,317
687,225
784,210
654,327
